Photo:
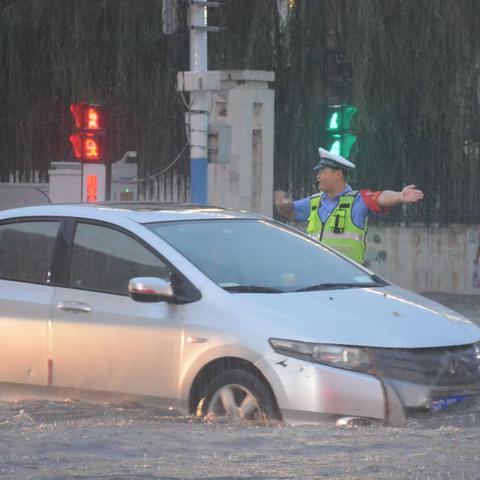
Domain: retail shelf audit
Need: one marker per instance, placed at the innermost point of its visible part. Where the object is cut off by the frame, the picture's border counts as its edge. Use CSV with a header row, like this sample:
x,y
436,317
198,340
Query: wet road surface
x,y
56,440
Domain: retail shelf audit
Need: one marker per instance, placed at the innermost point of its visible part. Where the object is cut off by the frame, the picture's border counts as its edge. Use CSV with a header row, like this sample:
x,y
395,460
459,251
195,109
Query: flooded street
x,y
55,440
69,439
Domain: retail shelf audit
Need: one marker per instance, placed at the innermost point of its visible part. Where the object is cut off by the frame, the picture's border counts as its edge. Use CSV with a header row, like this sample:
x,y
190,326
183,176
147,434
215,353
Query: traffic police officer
x,y
337,216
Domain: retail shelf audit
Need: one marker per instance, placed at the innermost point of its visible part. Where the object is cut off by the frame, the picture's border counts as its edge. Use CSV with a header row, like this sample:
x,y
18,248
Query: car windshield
x,y
260,256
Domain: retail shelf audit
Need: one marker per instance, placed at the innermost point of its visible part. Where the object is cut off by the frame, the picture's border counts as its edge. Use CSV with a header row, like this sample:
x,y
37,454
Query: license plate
x,y
443,403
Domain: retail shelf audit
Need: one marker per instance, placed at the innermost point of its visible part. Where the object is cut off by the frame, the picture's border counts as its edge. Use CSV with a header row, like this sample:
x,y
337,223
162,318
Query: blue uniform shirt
x,y
359,208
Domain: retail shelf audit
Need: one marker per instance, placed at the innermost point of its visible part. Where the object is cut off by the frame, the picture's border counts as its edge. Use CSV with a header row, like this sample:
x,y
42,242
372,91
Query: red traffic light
x,y
92,188
87,146
88,138
88,117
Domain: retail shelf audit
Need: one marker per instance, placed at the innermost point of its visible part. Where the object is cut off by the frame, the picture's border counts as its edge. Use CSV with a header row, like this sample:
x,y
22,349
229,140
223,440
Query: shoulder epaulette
x,y
315,195
352,193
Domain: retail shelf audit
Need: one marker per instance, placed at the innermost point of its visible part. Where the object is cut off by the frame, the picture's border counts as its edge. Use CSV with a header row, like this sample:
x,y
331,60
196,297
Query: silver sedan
x,y
217,313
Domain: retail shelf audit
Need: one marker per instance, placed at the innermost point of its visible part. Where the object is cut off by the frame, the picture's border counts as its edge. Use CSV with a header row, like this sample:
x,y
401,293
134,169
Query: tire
x,y
237,395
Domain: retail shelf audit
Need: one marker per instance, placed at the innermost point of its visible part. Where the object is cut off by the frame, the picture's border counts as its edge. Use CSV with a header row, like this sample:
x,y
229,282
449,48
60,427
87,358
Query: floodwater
x,y
57,440
69,439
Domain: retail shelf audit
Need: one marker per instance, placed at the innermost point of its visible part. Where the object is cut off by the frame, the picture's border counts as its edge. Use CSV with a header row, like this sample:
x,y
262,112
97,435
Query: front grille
x,y
441,367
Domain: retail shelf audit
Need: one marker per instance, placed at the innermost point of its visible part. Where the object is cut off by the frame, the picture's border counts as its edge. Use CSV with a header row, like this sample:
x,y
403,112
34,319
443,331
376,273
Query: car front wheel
x,y
237,395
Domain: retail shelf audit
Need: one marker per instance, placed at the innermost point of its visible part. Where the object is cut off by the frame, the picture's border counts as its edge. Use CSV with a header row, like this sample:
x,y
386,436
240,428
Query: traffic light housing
x,y
88,138
340,139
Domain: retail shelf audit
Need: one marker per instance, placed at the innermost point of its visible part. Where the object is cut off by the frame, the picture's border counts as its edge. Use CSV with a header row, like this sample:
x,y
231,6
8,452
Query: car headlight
x,y
476,346
340,356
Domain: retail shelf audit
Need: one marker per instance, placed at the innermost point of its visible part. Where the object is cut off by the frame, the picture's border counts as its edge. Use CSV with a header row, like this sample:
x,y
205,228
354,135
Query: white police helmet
x,y
331,160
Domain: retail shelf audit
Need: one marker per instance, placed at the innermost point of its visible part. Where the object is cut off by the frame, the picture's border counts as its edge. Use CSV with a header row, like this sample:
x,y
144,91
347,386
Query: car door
x,y
101,338
26,252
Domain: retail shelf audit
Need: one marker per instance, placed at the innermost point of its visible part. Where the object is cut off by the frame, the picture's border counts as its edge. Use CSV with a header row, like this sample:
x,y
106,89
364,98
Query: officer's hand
x,y
411,195
279,196
282,203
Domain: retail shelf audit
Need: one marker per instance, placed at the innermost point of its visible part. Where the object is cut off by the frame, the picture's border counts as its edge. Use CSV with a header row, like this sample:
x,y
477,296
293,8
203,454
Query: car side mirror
x,y
150,289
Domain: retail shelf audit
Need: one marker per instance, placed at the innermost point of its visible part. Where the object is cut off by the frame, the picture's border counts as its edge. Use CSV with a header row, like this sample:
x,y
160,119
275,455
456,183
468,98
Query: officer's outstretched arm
x,y
409,194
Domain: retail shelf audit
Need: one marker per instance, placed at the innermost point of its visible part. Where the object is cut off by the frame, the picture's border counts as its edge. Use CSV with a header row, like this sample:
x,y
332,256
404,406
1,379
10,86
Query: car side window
x,y
26,250
105,259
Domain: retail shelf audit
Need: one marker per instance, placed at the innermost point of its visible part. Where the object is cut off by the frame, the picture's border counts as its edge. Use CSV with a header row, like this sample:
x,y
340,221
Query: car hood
x,y
378,317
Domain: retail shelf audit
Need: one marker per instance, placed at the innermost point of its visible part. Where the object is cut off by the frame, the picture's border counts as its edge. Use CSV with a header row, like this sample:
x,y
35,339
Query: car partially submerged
x,y
217,312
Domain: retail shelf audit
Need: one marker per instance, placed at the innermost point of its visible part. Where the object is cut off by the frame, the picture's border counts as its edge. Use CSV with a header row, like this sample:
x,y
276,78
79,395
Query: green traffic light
x,y
339,118
333,125
348,111
348,140
335,148
339,121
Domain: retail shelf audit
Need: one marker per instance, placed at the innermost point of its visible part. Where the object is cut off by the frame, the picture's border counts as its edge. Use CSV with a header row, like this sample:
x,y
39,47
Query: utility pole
x,y
198,25
198,82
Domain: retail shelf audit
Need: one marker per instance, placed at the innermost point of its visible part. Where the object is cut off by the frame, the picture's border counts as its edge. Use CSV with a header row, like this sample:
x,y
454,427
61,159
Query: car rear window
x,y
26,250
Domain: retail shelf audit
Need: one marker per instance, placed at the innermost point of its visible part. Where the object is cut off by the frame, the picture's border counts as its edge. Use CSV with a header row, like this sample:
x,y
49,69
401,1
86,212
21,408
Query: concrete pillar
x,y
65,182
72,182
241,128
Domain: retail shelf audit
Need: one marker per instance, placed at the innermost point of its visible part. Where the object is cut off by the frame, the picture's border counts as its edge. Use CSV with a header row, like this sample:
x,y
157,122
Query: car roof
x,y
140,212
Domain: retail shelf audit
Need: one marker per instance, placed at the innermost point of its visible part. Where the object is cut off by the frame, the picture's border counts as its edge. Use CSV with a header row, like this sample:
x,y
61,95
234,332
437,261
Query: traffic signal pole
x,y
197,21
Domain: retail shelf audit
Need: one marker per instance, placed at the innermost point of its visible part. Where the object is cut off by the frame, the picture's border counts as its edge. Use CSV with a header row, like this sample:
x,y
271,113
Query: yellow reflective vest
x,y
338,231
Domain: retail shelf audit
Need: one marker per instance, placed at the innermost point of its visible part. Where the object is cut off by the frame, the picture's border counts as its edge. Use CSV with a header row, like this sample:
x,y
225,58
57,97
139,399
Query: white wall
x,y
14,195
435,259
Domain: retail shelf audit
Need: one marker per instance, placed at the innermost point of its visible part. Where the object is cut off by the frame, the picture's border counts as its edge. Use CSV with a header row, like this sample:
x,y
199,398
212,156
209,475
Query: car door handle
x,y
74,307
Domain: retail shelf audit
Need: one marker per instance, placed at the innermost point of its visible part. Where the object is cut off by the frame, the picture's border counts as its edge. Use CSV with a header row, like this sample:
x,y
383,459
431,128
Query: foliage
x,y
416,84
412,69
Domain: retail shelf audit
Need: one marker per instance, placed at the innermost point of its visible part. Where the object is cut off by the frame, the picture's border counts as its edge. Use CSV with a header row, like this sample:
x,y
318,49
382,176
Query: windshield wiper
x,y
251,289
382,282
335,286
